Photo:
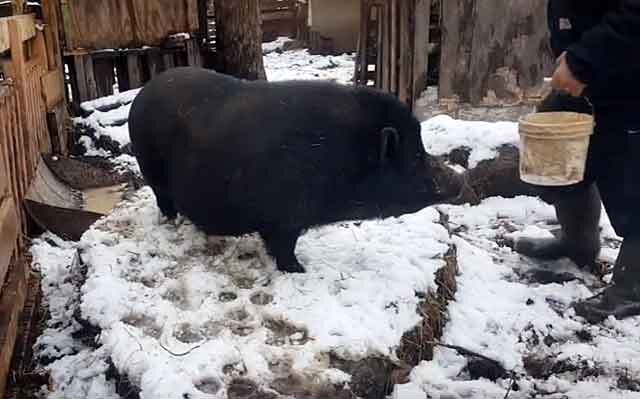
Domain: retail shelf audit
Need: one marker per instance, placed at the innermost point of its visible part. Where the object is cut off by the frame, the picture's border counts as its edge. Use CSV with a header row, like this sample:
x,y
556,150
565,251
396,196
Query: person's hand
x,y
563,79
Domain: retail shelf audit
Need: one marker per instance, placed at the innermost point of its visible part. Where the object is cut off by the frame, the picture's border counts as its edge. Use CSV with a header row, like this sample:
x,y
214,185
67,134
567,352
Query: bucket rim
x,y
583,118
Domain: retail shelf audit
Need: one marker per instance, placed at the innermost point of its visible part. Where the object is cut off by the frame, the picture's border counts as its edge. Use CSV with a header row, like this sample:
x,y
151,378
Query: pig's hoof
x,y
291,268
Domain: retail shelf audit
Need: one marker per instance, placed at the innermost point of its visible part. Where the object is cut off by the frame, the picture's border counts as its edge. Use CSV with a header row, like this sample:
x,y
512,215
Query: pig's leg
x,y
281,244
156,175
165,203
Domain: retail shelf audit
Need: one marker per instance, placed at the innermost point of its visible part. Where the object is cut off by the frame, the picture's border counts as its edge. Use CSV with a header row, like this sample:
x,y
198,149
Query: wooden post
x,y
361,67
134,69
169,61
422,22
104,76
124,83
386,47
406,53
154,60
194,57
379,44
12,300
393,88
19,74
86,81
52,17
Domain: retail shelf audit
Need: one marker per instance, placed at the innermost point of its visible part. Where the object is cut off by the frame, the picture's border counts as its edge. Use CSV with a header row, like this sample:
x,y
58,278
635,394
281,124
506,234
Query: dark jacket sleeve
x,y
612,47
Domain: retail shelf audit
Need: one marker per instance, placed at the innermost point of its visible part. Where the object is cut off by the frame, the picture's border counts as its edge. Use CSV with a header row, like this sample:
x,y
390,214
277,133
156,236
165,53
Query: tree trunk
x,y
495,52
239,38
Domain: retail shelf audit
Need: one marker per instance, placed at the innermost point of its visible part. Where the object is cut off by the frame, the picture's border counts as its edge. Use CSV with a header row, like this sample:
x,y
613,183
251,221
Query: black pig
x,y
238,157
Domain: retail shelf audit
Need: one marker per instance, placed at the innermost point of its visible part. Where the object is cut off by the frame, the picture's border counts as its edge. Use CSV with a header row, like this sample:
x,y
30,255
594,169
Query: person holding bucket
x,y
597,43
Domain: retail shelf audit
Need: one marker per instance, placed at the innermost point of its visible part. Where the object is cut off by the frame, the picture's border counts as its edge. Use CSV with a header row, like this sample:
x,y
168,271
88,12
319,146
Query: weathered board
x,y
25,28
104,24
394,41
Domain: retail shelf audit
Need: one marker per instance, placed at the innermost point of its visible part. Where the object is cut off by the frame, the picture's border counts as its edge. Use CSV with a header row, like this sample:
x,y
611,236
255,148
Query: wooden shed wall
x,y
31,93
105,24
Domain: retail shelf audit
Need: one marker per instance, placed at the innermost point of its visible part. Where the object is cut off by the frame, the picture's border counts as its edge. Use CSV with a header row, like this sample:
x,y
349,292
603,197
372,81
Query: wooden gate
x,y
30,90
394,46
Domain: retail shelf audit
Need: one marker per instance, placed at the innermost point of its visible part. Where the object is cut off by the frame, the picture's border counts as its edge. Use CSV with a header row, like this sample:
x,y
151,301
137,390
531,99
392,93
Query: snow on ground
x,y
442,134
183,313
276,45
155,288
510,309
300,65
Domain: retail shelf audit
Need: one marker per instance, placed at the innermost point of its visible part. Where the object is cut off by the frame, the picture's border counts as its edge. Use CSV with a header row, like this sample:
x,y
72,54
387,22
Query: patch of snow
x,y
122,98
275,45
498,314
442,134
90,148
300,65
181,36
153,286
76,371
126,163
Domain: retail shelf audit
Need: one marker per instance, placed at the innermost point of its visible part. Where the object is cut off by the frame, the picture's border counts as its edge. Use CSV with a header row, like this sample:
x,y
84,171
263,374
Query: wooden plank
x,y
52,18
169,61
18,73
194,57
87,88
386,47
25,29
422,23
11,304
393,87
406,53
53,88
103,70
154,60
379,44
8,234
134,68
361,67
122,73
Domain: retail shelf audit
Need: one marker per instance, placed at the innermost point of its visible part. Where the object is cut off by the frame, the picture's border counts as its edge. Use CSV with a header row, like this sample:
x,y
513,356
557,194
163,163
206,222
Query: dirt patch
x,y
244,388
124,387
227,296
299,388
187,334
261,298
209,386
627,383
500,176
83,173
419,343
545,367
147,324
100,141
284,333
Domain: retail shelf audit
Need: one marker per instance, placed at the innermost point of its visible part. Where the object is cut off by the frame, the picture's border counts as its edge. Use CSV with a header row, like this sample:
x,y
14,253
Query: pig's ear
x,y
389,144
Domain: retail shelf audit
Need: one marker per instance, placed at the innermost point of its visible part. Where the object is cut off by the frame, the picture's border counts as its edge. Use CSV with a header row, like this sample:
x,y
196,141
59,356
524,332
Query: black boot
x,y
578,212
622,299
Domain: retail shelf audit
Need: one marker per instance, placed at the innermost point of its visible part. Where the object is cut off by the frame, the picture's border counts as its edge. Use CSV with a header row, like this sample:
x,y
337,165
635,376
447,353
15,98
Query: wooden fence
x,y
394,46
31,99
123,43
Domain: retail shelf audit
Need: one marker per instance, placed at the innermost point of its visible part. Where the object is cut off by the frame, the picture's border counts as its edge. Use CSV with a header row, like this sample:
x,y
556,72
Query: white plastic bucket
x,y
554,147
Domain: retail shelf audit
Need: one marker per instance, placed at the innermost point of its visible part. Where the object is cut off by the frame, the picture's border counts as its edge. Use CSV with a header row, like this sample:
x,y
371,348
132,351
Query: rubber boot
x,y
579,214
622,298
